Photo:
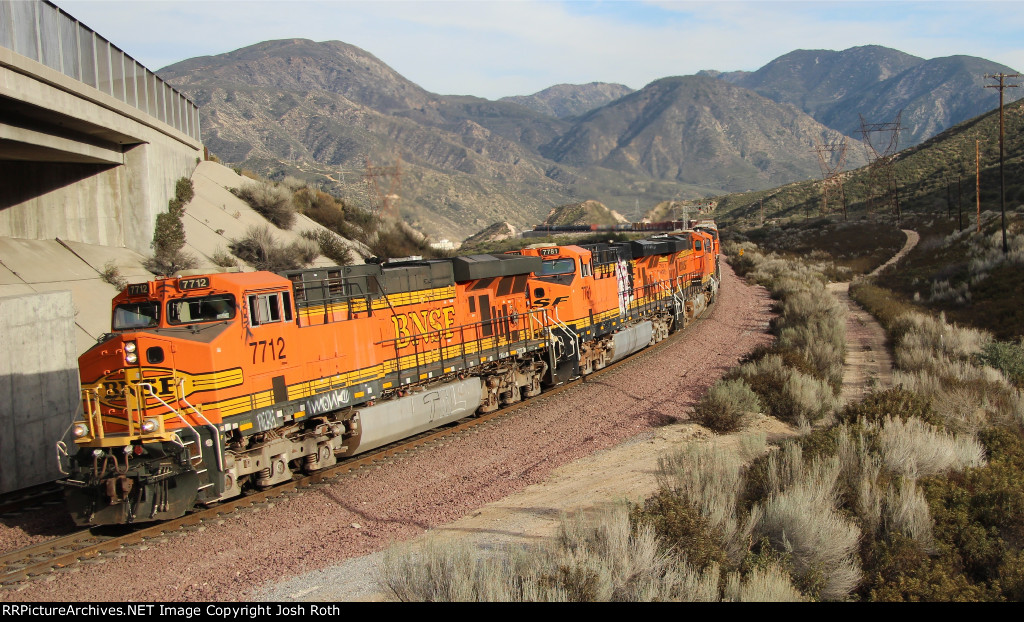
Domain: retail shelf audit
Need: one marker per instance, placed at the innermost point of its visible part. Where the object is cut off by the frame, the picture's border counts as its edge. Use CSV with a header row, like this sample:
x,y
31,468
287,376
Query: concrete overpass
x,y
91,142
91,145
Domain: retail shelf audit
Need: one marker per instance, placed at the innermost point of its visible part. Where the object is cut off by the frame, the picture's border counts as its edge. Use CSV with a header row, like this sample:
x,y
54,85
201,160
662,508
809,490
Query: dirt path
x,y
868,363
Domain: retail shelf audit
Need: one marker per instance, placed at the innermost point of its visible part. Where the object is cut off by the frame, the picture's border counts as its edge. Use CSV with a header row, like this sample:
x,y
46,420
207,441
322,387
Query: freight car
x,y
211,384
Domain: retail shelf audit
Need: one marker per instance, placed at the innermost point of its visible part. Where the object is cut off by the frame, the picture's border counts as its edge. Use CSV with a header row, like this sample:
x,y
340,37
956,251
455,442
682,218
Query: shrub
x,y
262,251
604,561
906,512
1007,357
708,480
724,405
272,201
786,393
771,584
224,259
803,521
169,234
330,245
895,402
397,241
111,274
913,448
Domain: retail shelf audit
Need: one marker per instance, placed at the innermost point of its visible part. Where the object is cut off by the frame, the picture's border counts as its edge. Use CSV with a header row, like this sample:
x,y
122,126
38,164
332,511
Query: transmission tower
x,y
384,202
881,141
831,159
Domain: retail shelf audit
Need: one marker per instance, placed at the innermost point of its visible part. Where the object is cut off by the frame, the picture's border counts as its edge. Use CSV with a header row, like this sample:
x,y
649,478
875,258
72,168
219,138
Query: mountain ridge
x,y
326,112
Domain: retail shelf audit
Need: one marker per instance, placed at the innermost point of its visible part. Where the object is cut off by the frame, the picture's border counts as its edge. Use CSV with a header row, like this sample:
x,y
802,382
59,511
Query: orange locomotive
x,y
214,383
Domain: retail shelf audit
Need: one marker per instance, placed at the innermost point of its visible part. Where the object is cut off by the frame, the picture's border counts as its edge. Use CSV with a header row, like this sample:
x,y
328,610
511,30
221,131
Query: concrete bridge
x,y
91,145
91,142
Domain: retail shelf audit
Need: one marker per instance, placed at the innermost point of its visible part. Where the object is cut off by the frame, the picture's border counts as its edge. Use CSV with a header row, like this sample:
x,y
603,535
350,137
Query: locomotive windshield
x,y
202,309
136,315
552,267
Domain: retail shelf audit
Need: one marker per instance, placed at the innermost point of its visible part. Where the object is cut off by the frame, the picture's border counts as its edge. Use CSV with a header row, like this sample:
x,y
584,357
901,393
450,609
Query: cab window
x,y
551,267
136,315
269,308
201,309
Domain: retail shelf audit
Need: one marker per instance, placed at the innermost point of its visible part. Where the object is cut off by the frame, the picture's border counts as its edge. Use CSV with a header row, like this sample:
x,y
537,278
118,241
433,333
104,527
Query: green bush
x,y
894,402
722,408
169,234
1007,357
681,528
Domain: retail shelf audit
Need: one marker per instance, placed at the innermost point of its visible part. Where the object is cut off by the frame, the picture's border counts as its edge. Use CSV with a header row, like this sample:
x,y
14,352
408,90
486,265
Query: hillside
x,y
585,213
935,177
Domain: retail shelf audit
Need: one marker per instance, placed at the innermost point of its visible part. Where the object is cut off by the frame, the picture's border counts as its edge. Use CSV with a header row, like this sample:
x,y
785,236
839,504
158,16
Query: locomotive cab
x,y
152,390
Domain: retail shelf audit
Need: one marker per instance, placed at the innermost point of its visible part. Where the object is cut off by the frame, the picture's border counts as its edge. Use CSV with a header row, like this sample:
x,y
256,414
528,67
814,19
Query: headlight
x,y
129,346
150,425
79,430
131,357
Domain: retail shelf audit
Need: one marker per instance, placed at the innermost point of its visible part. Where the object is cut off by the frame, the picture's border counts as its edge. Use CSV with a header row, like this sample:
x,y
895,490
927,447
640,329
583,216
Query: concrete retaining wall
x,y
39,387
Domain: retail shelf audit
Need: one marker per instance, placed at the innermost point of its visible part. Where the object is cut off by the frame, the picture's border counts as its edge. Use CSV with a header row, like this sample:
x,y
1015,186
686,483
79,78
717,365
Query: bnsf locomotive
x,y
216,383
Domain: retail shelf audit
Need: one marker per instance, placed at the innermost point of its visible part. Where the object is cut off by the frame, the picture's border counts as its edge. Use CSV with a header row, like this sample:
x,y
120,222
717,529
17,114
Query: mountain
x,y
570,100
336,116
876,83
327,111
697,130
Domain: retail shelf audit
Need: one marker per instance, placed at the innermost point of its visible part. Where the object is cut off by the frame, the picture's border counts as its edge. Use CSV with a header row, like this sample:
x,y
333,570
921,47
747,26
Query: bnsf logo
x,y
114,389
426,326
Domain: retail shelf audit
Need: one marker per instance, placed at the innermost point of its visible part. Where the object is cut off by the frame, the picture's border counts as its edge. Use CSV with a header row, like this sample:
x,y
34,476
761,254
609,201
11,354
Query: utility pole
x,y
1002,182
977,179
960,198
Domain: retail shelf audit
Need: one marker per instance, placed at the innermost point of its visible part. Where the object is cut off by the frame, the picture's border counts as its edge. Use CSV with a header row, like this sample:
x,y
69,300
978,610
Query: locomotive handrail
x,y
93,417
199,439
568,331
215,435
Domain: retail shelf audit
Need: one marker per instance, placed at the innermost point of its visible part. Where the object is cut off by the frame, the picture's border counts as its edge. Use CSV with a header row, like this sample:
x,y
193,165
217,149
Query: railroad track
x,y
99,545
31,498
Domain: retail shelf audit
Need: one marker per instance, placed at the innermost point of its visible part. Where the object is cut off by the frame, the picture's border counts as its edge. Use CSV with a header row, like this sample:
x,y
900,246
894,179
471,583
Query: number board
x,y
138,289
548,251
197,283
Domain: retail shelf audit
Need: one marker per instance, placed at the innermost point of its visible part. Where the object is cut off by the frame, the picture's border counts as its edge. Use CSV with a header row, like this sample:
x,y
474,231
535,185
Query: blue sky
x,y
494,48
